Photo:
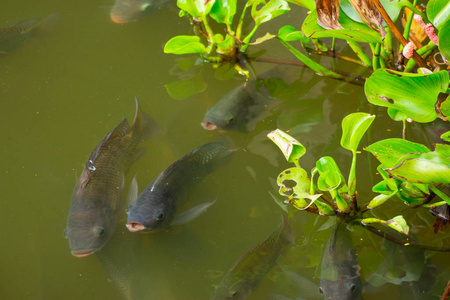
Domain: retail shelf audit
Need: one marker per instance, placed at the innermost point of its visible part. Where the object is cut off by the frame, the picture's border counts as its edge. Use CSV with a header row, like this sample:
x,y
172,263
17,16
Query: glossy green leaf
x,y
324,208
413,193
197,9
269,10
184,44
446,136
183,89
354,126
289,34
398,223
389,151
291,148
413,95
442,108
309,4
431,167
223,11
294,182
227,46
444,40
353,31
379,200
438,11
266,37
330,176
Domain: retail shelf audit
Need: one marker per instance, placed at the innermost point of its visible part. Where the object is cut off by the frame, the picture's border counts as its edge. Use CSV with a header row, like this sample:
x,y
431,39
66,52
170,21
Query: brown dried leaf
x,y
328,14
368,13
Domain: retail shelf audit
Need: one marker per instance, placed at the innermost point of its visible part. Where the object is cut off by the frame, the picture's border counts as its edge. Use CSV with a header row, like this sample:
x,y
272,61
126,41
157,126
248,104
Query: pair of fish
x,y
252,267
125,11
13,35
94,205
158,205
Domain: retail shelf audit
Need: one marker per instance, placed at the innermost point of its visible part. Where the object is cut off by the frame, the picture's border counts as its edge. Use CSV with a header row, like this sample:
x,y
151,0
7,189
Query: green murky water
x,y
60,95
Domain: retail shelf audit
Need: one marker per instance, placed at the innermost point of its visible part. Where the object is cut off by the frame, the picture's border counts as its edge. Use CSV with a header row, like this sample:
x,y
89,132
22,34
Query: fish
x,y
239,109
11,36
246,274
96,196
157,206
340,271
125,11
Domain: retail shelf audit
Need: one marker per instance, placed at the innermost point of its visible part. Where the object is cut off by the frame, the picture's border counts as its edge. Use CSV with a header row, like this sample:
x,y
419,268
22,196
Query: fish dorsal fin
x,y
116,133
26,25
191,214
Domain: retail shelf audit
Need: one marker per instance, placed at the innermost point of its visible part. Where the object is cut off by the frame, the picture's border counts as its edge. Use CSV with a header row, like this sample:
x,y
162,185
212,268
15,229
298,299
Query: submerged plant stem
x,y
360,53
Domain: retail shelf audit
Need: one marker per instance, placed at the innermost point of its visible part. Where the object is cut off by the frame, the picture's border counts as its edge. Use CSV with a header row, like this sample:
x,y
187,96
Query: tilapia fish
x,y
340,271
95,199
13,35
157,206
125,11
252,267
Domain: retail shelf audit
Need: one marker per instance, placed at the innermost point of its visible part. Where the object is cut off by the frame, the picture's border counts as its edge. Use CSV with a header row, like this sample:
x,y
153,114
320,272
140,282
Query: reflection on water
x,y
61,94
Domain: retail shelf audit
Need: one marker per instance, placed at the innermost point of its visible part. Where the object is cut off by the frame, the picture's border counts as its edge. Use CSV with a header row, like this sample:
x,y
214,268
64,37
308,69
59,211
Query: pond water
x,y
60,95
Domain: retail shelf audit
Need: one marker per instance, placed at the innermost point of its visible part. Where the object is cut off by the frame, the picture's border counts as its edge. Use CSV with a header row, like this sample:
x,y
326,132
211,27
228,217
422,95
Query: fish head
x,y
150,214
233,289
88,229
125,11
350,289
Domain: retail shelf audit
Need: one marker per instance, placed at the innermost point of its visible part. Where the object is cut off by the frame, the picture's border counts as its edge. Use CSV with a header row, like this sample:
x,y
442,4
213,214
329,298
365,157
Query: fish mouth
x,y
209,125
118,21
82,254
135,227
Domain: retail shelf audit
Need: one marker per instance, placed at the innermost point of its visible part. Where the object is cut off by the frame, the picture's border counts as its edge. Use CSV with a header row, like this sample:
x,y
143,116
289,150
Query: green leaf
x,y
223,11
324,208
353,128
429,168
390,151
438,11
413,193
309,4
398,223
446,136
289,34
442,107
294,183
291,148
266,37
413,95
197,9
269,11
183,89
330,176
184,44
380,199
444,40
227,46
353,31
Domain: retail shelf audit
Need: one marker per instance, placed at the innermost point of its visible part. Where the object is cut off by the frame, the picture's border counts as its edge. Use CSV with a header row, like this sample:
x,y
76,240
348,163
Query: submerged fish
x,y
252,267
125,11
13,35
95,199
157,205
340,271
237,109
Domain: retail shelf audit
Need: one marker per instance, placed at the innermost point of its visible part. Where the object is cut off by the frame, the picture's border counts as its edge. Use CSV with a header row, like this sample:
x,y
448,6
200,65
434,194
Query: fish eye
x,y
160,217
320,290
353,288
230,120
99,231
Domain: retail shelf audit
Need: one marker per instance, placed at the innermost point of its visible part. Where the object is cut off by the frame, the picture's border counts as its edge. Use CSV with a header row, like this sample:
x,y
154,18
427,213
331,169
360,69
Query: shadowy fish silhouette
x,y
95,199
125,11
157,206
252,267
340,271
13,35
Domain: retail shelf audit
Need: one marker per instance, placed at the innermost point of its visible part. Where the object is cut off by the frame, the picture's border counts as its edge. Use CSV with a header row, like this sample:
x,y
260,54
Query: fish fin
x,y
191,214
46,26
132,192
286,231
302,284
144,125
138,153
25,26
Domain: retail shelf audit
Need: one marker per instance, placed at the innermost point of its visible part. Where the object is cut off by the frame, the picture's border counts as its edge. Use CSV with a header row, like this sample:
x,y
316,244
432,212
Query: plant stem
x,y
333,45
411,63
440,203
241,21
248,38
352,176
397,33
388,46
440,194
408,27
376,57
360,53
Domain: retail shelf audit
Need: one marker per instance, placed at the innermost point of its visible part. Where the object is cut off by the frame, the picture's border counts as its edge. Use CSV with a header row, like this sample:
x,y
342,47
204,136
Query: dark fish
x,y
95,199
125,11
157,205
13,35
340,271
252,267
238,109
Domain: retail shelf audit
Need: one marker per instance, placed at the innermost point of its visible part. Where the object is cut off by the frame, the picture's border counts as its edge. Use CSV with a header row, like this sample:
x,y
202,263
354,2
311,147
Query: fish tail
x,y
46,26
286,231
144,125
